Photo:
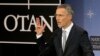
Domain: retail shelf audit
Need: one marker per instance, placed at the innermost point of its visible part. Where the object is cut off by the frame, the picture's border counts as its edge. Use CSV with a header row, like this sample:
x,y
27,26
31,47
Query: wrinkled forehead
x,y
61,11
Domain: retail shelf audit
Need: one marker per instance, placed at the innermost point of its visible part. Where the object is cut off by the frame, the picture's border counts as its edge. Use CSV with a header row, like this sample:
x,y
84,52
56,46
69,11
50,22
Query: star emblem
x,y
90,14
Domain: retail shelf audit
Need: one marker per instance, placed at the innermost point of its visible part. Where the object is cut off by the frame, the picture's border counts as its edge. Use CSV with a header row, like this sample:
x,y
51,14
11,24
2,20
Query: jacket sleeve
x,y
46,48
41,43
86,45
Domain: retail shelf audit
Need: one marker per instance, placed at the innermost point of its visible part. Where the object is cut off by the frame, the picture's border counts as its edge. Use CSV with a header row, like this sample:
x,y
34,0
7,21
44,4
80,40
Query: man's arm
x,y
39,29
86,45
41,42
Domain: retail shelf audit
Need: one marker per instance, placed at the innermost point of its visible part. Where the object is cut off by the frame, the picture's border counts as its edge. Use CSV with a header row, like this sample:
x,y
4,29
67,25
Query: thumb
x,y
44,26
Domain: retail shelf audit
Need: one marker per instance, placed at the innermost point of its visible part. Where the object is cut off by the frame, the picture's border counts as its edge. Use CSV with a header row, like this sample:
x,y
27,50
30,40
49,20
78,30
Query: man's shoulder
x,y
79,29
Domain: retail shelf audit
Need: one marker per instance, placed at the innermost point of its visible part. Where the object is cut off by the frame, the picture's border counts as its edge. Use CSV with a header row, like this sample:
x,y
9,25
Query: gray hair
x,y
67,7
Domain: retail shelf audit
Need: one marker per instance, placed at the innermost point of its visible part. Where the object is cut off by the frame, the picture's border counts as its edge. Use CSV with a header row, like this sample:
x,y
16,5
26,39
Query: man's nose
x,y
57,19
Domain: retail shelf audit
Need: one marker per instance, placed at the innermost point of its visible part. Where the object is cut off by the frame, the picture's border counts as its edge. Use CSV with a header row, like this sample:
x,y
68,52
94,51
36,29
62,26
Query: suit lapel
x,y
58,40
70,37
58,44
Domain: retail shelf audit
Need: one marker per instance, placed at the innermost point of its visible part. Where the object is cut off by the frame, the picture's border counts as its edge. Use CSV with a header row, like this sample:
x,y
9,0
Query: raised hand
x,y
39,29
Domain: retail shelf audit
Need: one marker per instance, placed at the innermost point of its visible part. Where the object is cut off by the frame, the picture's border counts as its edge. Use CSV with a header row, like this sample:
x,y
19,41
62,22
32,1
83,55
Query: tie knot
x,y
64,31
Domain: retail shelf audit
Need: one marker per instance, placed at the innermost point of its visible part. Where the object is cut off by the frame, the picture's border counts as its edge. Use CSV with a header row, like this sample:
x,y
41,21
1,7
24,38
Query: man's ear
x,y
70,16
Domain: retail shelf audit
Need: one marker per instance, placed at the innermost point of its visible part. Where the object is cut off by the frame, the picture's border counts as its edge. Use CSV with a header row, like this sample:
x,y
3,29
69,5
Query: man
x,y
68,39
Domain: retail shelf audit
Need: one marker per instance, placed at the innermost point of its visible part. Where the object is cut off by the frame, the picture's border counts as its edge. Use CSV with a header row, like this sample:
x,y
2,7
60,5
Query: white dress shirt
x,y
68,29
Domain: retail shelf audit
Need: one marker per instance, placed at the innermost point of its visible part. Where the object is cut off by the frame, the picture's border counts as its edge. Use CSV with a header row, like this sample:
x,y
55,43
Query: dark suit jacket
x,y
77,44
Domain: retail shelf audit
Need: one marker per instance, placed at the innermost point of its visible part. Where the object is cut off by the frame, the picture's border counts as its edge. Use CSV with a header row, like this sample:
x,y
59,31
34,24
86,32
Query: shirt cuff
x,y
38,36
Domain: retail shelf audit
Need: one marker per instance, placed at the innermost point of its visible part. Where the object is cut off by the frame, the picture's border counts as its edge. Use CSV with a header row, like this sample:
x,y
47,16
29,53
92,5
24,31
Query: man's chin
x,y
59,26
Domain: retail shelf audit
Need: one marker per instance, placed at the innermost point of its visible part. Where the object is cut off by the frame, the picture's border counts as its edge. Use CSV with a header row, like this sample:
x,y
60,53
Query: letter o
x,y
5,23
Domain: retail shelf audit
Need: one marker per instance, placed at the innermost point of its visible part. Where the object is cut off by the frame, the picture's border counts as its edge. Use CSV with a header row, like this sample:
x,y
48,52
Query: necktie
x,y
63,40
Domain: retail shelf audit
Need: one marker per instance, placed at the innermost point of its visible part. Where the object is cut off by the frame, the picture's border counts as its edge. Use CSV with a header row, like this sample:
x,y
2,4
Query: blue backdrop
x,y
87,15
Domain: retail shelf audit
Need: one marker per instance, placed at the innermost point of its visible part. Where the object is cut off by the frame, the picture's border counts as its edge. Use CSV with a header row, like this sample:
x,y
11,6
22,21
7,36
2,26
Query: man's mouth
x,y
58,22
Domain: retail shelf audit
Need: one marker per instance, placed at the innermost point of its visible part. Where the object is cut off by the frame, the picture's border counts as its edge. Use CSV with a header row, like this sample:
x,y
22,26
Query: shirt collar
x,y
67,29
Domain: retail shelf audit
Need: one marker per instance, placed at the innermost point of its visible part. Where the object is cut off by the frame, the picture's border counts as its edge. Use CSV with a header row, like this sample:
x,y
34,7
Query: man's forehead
x,y
61,10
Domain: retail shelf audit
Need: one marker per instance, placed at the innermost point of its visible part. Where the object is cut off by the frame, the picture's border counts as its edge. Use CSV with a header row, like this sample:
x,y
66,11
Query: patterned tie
x,y
63,40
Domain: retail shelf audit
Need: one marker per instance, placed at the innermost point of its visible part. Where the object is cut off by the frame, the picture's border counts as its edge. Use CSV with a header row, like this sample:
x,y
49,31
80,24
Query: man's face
x,y
63,18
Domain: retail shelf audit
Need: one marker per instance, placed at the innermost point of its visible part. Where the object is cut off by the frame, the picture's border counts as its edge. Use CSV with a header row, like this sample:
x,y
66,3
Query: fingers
x,y
44,26
39,28
37,21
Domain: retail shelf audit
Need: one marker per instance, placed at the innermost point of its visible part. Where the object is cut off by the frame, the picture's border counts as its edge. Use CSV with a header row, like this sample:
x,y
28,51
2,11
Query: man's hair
x,y
67,7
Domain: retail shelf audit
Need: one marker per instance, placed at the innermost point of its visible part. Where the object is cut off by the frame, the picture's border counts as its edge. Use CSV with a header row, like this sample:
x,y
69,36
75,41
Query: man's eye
x,y
58,15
